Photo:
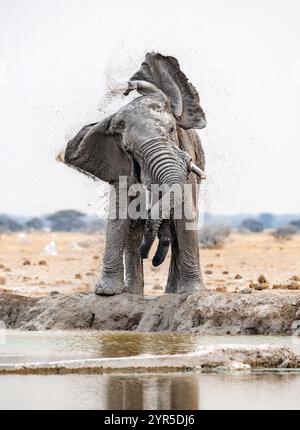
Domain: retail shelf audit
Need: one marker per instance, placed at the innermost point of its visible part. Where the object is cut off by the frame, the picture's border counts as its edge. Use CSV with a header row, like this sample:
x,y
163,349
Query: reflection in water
x,y
51,345
114,344
152,392
156,391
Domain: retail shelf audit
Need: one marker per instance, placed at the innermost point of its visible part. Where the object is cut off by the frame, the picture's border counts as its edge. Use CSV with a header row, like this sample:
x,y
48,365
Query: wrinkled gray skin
x,y
150,140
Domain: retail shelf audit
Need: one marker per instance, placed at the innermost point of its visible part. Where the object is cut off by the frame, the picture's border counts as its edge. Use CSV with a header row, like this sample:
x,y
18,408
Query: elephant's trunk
x,y
168,165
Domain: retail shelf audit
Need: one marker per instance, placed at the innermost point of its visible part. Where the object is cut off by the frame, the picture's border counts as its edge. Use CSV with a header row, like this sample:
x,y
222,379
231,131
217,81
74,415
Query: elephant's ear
x,y
165,74
95,151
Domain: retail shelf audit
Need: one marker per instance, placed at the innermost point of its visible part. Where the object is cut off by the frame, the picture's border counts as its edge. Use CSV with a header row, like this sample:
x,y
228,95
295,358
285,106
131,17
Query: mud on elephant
x,y
151,140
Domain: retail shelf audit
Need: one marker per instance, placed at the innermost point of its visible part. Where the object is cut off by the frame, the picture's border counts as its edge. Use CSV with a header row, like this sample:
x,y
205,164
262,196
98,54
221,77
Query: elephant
x,y
150,140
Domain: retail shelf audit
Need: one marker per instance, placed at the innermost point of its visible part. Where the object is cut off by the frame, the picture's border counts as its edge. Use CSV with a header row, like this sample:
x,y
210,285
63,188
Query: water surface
x,y
162,391
241,390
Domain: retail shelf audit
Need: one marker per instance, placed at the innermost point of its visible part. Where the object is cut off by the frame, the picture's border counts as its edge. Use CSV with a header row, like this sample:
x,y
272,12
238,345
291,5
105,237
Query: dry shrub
x,y
213,236
285,232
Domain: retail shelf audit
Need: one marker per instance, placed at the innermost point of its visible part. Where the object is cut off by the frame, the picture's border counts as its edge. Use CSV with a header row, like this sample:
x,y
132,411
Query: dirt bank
x,y
206,313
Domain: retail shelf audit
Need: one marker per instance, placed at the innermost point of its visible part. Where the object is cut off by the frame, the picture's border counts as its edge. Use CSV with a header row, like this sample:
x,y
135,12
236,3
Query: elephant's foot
x,y
190,287
109,286
134,288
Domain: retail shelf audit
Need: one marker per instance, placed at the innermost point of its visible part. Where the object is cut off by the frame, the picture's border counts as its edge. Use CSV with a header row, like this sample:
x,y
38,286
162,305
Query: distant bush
x,y
34,224
285,232
7,224
66,220
213,236
267,219
252,225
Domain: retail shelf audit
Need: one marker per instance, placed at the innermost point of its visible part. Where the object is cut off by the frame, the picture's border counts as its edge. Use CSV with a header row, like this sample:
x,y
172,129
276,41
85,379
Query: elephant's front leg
x,y
134,275
112,277
188,257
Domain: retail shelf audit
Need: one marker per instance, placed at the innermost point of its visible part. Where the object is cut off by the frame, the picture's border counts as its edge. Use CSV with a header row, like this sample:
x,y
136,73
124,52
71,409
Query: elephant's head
x,y
143,134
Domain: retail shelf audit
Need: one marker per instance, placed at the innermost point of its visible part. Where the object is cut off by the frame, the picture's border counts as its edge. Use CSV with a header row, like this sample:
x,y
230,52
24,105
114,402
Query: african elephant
x,y
149,141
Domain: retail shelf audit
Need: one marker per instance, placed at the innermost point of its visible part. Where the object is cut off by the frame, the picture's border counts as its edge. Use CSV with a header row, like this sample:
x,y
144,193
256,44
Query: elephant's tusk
x,y
197,170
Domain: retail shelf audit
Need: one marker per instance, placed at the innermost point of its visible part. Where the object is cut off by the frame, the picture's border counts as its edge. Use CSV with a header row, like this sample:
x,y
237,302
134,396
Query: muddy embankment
x,y
205,313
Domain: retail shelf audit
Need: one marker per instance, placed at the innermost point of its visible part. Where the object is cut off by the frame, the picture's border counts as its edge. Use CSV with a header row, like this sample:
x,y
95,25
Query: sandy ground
x,y
26,269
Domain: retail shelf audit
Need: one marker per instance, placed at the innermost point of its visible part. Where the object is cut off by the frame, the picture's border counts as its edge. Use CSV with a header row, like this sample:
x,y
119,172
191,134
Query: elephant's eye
x,y
171,129
120,125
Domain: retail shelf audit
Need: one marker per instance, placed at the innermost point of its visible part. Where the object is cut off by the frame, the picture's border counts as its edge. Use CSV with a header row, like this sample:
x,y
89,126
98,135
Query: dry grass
x,y
243,258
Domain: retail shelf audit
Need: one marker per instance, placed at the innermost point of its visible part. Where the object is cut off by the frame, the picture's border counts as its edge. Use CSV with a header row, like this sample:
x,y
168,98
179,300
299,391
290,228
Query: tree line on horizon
x,y
73,220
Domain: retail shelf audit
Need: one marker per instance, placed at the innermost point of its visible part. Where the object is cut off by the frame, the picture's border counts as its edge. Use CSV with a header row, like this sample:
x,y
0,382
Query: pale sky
x,y
57,57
